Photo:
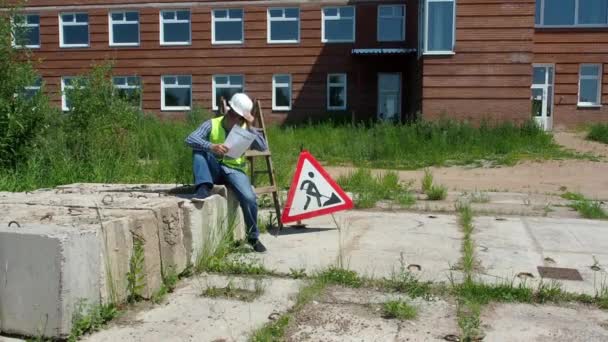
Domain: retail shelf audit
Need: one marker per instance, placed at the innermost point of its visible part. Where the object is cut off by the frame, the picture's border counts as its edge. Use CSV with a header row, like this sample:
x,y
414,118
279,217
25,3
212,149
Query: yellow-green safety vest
x,y
218,136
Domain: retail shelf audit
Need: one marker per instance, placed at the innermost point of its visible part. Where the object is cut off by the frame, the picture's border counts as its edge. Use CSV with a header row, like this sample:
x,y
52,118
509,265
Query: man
x,y
210,166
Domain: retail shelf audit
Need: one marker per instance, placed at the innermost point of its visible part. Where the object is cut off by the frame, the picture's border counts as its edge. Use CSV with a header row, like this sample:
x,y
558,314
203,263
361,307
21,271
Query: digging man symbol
x,y
312,191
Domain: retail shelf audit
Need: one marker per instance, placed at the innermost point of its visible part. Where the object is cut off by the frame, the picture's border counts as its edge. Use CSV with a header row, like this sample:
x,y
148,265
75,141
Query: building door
x,y
389,97
542,95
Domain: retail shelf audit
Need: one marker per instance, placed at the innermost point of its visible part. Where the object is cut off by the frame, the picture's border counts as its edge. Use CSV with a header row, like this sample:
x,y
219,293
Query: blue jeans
x,y
208,170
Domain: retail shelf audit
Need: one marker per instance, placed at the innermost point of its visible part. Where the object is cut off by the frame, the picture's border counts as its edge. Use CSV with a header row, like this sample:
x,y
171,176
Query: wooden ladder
x,y
252,155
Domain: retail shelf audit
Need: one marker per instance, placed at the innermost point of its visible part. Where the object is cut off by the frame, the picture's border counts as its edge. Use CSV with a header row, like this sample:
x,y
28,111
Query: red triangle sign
x,y
313,192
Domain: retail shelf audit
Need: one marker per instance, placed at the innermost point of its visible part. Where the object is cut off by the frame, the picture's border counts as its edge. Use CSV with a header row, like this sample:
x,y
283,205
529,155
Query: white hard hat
x,y
242,105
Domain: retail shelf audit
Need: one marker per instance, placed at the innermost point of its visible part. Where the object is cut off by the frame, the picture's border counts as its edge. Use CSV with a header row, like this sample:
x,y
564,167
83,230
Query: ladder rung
x,y
252,153
265,190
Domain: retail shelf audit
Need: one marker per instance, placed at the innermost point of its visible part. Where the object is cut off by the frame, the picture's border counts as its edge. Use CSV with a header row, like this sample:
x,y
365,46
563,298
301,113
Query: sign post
x,y
313,192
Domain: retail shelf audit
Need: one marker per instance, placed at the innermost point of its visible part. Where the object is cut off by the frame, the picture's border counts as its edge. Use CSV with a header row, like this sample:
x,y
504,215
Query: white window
x,y
176,92
281,92
129,88
225,86
338,24
336,91
31,90
26,31
590,85
283,25
560,13
391,23
73,30
227,26
124,28
67,83
175,27
439,26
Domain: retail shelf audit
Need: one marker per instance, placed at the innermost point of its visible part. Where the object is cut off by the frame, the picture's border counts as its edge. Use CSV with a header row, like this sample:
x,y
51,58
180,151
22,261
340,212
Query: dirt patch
x,y
576,141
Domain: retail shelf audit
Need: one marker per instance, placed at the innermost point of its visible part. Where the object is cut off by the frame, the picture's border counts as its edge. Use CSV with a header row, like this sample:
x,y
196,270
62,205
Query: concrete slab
x,y
374,244
186,316
10,339
47,271
356,315
515,246
522,322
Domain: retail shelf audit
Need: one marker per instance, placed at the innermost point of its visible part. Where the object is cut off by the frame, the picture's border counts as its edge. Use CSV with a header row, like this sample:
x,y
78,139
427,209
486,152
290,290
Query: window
x,y
391,23
338,24
26,31
227,26
281,92
67,83
585,13
124,28
590,85
336,91
225,86
283,25
31,90
176,92
73,30
175,27
129,88
439,26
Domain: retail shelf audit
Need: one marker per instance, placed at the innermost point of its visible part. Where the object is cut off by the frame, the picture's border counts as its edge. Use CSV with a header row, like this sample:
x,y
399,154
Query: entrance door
x,y
542,95
389,97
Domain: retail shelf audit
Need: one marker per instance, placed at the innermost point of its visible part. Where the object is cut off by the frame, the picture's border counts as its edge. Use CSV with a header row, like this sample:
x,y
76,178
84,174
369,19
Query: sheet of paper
x,y
238,141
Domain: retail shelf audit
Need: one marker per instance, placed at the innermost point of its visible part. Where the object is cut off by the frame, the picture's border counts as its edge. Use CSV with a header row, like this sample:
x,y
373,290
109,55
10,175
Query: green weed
x,y
170,279
437,193
399,309
340,276
89,318
232,292
297,273
573,196
590,209
272,331
136,274
598,132
427,180
369,189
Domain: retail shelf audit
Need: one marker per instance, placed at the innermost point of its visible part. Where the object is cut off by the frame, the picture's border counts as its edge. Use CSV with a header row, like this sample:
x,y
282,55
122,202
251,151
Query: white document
x,y
238,141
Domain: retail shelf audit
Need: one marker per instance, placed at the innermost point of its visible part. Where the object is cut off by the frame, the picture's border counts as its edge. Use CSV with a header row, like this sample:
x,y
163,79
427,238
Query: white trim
x,y
227,19
338,17
163,107
393,16
174,21
426,29
276,85
597,78
63,94
123,22
576,19
27,24
343,84
73,23
230,85
269,21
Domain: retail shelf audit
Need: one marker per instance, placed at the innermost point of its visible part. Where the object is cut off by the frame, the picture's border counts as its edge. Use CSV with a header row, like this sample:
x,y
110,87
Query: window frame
x,y
344,85
597,78
214,105
127,86
174,21
163,87
276,85
74,23
576,19
227,19
425,41
111,24
269,21
64,107
323,18
13,26
378,38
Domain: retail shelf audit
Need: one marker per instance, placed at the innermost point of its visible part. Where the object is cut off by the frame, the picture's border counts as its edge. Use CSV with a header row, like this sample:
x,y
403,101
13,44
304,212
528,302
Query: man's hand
x,y
219,149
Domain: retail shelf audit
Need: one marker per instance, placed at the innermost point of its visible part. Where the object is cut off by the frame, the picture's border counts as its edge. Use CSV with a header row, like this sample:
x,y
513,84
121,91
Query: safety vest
x,y
218,136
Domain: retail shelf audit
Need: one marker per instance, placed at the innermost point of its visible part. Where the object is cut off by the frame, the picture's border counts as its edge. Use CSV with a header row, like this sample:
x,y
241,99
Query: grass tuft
x,y
573,196
398,309
339,276
90,318
590,209
369,190
598,132
437,193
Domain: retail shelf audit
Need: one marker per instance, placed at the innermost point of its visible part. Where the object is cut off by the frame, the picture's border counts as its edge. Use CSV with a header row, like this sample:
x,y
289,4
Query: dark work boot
x,y
202,192
257,245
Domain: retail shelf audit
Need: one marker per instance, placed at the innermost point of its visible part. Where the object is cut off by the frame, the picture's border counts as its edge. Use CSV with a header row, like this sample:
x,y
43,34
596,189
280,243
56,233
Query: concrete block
x,y
174,257
46,272
144,229
207,224
117,251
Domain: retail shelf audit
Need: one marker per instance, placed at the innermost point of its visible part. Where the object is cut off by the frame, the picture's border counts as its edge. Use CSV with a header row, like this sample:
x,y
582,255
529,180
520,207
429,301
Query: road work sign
x,y
313,192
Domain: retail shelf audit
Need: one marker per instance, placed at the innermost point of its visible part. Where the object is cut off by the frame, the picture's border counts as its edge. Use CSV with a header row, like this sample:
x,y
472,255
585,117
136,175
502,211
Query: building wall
x,y
567,49
489,76
308,62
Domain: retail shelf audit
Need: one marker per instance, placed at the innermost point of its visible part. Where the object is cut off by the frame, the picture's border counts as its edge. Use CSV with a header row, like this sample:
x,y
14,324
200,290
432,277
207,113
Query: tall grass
x,y
598,132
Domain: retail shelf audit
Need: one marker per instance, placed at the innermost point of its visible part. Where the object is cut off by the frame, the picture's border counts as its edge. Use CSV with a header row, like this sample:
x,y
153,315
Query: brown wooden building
x,y
465,59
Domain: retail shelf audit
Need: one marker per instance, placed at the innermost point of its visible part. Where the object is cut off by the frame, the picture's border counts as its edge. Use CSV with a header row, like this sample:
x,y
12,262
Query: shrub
x,y
437,193
598,132
427,180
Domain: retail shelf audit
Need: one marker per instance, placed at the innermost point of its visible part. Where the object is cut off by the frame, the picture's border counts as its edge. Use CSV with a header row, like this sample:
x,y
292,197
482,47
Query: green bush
x,y
598,132
399,309
437,193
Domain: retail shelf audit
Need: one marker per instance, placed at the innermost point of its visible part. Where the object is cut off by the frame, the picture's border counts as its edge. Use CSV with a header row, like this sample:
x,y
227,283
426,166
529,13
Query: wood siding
x,y
567,49
489,76
308,62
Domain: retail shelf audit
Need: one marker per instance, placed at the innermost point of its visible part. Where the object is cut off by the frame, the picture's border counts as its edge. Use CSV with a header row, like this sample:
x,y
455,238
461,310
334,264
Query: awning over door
x,y
382,51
